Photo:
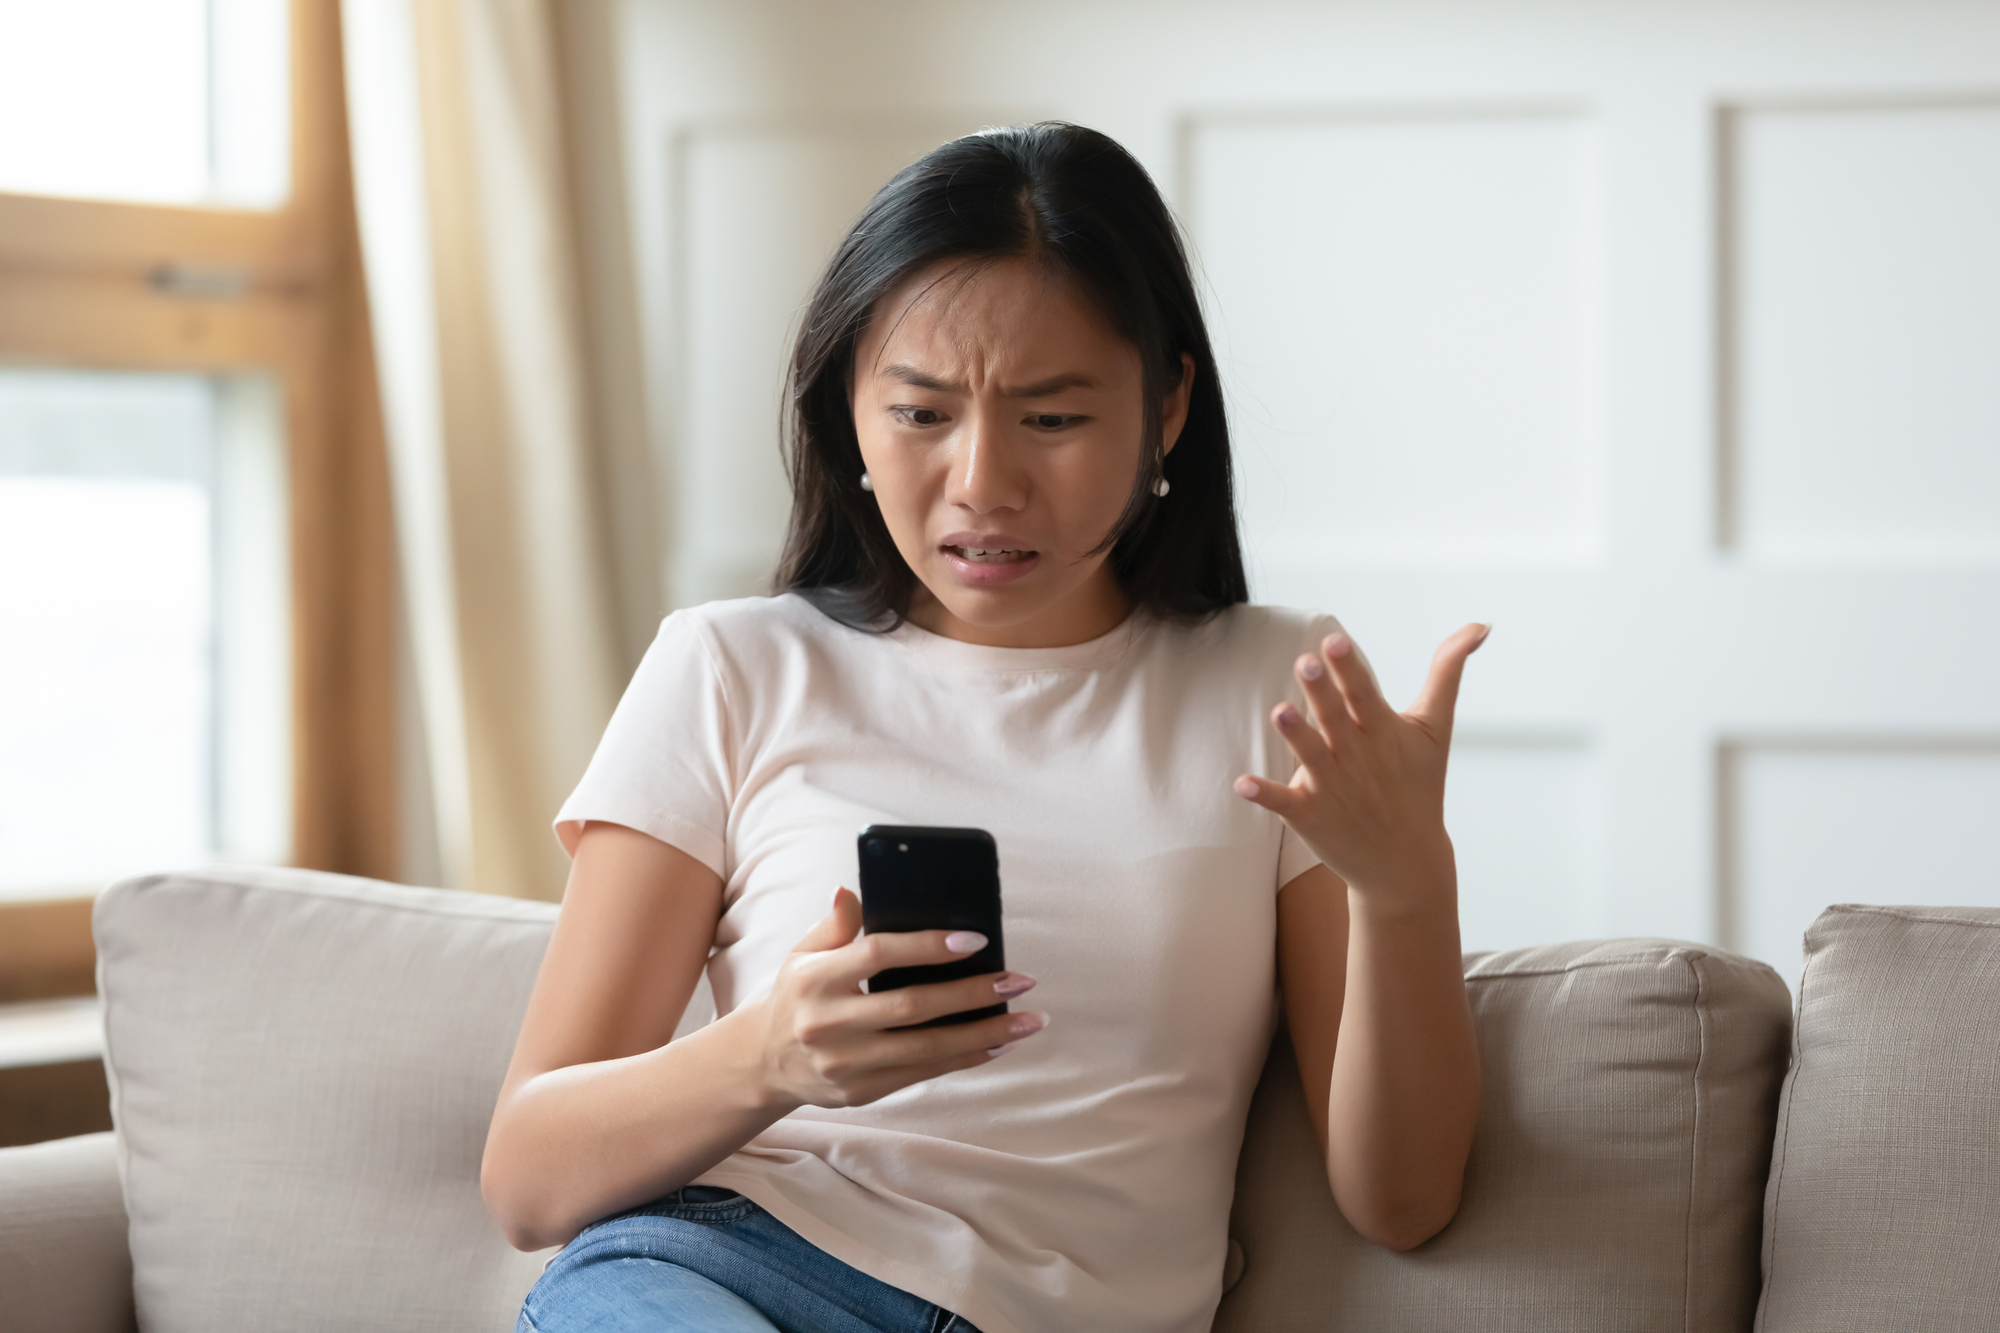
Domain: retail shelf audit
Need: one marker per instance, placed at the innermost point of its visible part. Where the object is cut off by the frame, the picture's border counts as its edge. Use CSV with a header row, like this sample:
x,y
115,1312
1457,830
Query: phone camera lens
x,y
902,846
875,847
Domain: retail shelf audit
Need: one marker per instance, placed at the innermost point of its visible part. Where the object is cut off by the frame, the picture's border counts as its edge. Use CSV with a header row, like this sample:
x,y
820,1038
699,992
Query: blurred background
x,y
375,375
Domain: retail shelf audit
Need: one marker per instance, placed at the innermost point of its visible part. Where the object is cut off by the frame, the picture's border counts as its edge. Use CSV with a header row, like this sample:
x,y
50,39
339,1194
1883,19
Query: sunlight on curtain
x,y
461,192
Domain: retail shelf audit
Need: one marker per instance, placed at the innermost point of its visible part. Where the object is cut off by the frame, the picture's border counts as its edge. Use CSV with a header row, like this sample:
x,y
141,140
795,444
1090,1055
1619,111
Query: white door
x,y
1665,336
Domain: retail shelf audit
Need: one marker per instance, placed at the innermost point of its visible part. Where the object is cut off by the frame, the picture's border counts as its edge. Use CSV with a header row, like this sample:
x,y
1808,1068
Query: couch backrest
x,y
1616,1181
302,1068
1884,1204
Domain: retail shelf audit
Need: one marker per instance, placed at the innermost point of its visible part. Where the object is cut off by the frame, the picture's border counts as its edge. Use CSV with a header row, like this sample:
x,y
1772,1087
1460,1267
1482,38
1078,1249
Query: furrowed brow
x,y
1052,386
917,379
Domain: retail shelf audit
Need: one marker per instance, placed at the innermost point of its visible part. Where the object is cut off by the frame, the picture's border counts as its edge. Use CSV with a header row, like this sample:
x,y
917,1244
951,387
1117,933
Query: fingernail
x,y
965,941
1245,787
1338,645
997,1051
1310,669
834,905
1011,984
1026,1025
1287,715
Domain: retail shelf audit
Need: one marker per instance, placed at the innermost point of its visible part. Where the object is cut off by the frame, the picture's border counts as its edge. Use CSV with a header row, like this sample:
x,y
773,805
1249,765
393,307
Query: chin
x,y
994,608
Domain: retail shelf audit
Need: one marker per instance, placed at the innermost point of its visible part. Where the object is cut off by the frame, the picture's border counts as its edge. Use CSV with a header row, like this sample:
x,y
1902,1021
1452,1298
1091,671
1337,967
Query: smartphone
x,y
920,878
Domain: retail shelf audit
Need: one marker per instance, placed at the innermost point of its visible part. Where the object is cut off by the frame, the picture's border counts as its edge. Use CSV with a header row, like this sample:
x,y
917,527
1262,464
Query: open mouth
x,y
981,555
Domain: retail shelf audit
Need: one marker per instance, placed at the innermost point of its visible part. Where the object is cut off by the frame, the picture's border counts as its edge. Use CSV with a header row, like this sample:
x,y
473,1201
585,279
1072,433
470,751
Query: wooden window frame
x,y
92,284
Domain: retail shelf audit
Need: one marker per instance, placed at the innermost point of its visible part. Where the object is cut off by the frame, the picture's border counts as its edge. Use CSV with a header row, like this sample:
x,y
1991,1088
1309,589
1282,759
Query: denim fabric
x,y
707,1260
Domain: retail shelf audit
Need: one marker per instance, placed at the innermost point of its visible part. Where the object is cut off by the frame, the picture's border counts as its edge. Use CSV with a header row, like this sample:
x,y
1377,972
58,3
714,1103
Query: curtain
x,y
515,472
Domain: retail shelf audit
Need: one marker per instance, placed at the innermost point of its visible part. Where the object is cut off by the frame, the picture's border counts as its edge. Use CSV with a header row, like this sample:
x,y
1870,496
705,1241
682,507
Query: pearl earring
x,y
1160,488
867,482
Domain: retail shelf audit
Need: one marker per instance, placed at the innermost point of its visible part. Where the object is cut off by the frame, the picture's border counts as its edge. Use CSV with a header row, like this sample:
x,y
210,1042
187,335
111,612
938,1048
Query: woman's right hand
x,y
827,1042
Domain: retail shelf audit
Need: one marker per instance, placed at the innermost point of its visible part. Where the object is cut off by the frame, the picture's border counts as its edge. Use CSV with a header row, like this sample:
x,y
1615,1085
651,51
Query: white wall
x,y
1661,334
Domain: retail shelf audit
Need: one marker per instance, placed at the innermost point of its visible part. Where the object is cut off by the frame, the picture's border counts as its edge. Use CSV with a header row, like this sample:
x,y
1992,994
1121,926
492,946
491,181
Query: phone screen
x,y
922,878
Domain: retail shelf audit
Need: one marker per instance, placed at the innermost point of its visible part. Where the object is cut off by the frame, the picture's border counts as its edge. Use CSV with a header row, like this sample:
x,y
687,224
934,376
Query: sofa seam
x,y
1911,914
1694,1144
114,1086
416,908
1768,1274
1671,953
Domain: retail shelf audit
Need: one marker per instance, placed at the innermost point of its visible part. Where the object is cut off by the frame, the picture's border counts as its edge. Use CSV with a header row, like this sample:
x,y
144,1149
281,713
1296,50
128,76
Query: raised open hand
x,y
1368,796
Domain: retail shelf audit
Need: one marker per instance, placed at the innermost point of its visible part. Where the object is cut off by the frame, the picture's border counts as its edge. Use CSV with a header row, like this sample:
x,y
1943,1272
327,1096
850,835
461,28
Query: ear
x,y
1174,412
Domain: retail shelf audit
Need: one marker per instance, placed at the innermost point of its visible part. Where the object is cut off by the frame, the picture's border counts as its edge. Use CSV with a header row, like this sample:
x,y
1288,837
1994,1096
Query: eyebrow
x,y
1047,388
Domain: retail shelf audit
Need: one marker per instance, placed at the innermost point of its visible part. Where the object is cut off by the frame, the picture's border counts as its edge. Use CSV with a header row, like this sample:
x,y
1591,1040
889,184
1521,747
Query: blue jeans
x,y
707,1260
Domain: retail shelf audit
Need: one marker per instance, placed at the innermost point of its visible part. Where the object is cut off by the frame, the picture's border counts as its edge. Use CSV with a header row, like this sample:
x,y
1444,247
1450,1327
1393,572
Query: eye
x,y
1053,421
917,416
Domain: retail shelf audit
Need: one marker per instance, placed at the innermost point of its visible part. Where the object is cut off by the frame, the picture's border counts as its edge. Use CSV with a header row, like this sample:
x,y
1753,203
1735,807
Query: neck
x,y
1091,611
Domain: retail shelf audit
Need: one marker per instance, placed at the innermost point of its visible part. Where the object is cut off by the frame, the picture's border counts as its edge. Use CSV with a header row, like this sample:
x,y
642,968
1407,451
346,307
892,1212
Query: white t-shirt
x,y
1084,1179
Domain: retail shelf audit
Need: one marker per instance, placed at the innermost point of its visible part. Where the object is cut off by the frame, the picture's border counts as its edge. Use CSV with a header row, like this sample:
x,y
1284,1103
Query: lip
x,y
974,574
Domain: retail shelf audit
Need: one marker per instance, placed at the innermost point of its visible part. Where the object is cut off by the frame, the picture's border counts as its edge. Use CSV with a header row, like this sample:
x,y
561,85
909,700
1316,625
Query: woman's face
x,y
1000,421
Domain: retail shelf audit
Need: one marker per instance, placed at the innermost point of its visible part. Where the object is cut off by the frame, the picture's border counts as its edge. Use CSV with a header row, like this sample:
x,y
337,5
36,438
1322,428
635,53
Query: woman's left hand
x,y
1368,797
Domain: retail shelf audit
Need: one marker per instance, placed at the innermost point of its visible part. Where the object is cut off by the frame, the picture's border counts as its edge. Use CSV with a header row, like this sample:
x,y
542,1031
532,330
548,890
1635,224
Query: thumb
x,y
839,926
1439,698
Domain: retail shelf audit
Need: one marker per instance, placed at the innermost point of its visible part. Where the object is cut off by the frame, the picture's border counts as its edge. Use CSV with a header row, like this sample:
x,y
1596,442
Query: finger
x,y
1438,700
874,1087
856,962
906,1006
1279,799
1307,744
838,927
876,1055
924,1046
1357,683
1330,711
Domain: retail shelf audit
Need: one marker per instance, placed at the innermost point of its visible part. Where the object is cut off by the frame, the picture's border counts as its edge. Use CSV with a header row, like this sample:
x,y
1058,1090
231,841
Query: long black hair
x,y
1071,199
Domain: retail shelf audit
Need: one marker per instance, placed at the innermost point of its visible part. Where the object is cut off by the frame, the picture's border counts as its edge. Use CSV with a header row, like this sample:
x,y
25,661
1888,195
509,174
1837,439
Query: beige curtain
x,y
515,458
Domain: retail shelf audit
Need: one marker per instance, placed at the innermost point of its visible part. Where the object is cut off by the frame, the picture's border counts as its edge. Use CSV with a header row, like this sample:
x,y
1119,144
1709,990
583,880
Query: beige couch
x,y
302,1067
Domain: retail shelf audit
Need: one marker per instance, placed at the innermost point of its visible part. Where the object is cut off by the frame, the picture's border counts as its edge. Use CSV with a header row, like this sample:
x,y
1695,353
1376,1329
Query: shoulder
x,y
1255,632
760,641
751,624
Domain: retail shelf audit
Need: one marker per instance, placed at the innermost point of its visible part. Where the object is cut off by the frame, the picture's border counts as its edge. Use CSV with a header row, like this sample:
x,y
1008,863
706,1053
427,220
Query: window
x,y
195,602
145,712
160,101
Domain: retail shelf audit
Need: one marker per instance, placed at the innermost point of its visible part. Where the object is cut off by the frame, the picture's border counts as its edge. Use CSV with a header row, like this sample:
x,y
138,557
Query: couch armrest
x,y
64,1261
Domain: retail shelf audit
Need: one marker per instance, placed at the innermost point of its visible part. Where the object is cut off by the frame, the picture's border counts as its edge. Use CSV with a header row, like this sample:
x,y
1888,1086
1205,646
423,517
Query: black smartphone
x,y
921,878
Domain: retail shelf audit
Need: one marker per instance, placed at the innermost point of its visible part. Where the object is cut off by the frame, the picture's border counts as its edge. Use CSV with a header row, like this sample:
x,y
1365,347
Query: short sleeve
x,y
1294,857
663,766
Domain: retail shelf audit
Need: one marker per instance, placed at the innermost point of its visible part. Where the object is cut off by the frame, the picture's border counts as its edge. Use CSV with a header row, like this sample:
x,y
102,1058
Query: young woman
x,y
1012,597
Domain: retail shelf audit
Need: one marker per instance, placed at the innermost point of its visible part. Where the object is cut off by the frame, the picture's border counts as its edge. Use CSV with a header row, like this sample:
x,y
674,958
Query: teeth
x,y
995,554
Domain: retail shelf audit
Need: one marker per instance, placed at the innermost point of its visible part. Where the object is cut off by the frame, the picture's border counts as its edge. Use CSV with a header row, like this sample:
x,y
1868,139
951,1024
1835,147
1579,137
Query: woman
x,y
1011,597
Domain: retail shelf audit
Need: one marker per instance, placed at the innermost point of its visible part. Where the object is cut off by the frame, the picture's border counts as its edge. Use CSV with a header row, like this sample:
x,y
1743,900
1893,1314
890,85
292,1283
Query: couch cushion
x,y
1617,1177
1884,1202
64,1265
302,1070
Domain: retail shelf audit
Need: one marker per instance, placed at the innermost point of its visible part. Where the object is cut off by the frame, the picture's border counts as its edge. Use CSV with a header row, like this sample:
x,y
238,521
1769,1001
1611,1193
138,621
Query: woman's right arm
x,y
602,1110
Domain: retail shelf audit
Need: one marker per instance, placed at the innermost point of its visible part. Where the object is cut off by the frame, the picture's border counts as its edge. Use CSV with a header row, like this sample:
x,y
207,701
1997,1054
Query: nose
x,y
985,476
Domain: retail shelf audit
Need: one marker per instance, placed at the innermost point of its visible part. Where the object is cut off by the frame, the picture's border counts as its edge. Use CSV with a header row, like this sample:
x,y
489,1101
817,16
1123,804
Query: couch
x,y
302,1067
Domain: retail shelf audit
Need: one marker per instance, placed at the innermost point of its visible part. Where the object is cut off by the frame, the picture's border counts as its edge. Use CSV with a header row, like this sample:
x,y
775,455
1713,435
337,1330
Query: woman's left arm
x,y
1368,946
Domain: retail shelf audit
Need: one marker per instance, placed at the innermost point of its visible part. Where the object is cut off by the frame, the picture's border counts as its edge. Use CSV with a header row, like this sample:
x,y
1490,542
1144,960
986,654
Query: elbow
x,y
510,1204
1400,1225
523,1231
1400,1236
523,1239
